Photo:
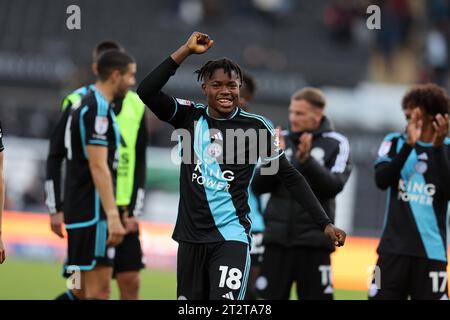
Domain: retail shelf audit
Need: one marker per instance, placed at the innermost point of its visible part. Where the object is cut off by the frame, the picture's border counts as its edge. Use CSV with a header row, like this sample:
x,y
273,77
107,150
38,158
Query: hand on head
x,y
441,127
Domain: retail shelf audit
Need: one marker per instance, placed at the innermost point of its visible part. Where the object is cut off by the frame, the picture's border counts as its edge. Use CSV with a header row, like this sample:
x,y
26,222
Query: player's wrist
x,y
181,54
185,48
113,214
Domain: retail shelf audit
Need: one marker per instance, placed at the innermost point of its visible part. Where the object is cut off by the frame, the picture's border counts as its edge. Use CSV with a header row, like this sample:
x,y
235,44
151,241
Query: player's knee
x,y
79,293
129,287
100,291
103,292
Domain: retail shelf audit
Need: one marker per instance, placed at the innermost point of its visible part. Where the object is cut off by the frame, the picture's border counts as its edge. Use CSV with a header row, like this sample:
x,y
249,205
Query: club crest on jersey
x,y
421,167
101,124
214,150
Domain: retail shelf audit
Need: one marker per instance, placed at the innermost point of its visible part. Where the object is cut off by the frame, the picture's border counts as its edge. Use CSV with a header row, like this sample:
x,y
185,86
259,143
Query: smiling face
x,y
222,93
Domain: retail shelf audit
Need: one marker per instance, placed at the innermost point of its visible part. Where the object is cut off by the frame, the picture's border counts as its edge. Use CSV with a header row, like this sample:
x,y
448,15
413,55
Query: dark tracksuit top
x,y
327,170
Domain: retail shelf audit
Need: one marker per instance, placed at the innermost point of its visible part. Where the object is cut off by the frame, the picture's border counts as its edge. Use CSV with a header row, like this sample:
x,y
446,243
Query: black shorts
x,y
398,277
87,247
212,271
309,267
257,249
128,254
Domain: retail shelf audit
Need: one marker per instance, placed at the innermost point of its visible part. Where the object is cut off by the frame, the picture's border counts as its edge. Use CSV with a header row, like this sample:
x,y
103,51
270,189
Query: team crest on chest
x,y
215,150
421,167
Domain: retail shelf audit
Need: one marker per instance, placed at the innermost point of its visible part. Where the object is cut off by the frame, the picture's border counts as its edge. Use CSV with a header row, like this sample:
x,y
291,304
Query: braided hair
x,y
228,66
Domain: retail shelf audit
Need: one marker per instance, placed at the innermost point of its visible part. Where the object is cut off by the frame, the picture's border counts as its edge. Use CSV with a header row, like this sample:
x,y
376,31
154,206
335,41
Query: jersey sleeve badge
x,y
101,124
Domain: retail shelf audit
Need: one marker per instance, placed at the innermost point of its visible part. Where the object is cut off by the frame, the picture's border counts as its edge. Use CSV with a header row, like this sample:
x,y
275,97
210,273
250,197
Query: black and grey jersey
x,y
91,122
417,180
219,157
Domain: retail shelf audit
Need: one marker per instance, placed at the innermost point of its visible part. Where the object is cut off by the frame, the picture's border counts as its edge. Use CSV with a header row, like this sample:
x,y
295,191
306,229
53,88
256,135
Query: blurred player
x,y
296,250
130,180
2,197
247,91
212,226
414,167
92,140
257,249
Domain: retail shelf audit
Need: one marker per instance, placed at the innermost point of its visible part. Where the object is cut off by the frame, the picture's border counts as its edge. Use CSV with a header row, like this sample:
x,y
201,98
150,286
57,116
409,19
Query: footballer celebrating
x,y
212,226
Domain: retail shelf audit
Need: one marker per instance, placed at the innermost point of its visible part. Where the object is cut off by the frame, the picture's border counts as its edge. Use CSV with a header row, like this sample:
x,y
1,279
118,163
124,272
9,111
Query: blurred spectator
x,y
436,56
339,17
395,27
191,11
274,11
32,198
438,10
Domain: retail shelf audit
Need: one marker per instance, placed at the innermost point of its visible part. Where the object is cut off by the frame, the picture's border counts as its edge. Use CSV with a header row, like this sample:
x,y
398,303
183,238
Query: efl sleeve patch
x,y
101,125
184,102
384,149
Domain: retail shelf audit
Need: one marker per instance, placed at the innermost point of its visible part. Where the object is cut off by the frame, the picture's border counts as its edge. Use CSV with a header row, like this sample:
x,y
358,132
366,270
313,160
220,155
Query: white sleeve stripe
x,y
50,196
344,152
139,206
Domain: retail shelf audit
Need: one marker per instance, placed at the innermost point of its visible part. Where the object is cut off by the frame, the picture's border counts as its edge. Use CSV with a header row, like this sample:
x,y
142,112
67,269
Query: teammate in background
x,y
212,226
247,91
130,115
414,167
296,250
2,197
257,249
92,139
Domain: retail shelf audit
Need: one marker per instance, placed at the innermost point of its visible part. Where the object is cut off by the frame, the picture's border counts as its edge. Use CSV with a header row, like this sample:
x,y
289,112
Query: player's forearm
x,y
181,54
387,174
152,84
301,192
149,90
101,176
323,182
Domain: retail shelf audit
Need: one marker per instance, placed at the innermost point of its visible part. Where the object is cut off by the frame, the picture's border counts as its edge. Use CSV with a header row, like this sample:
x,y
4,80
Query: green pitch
x,y
25,279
